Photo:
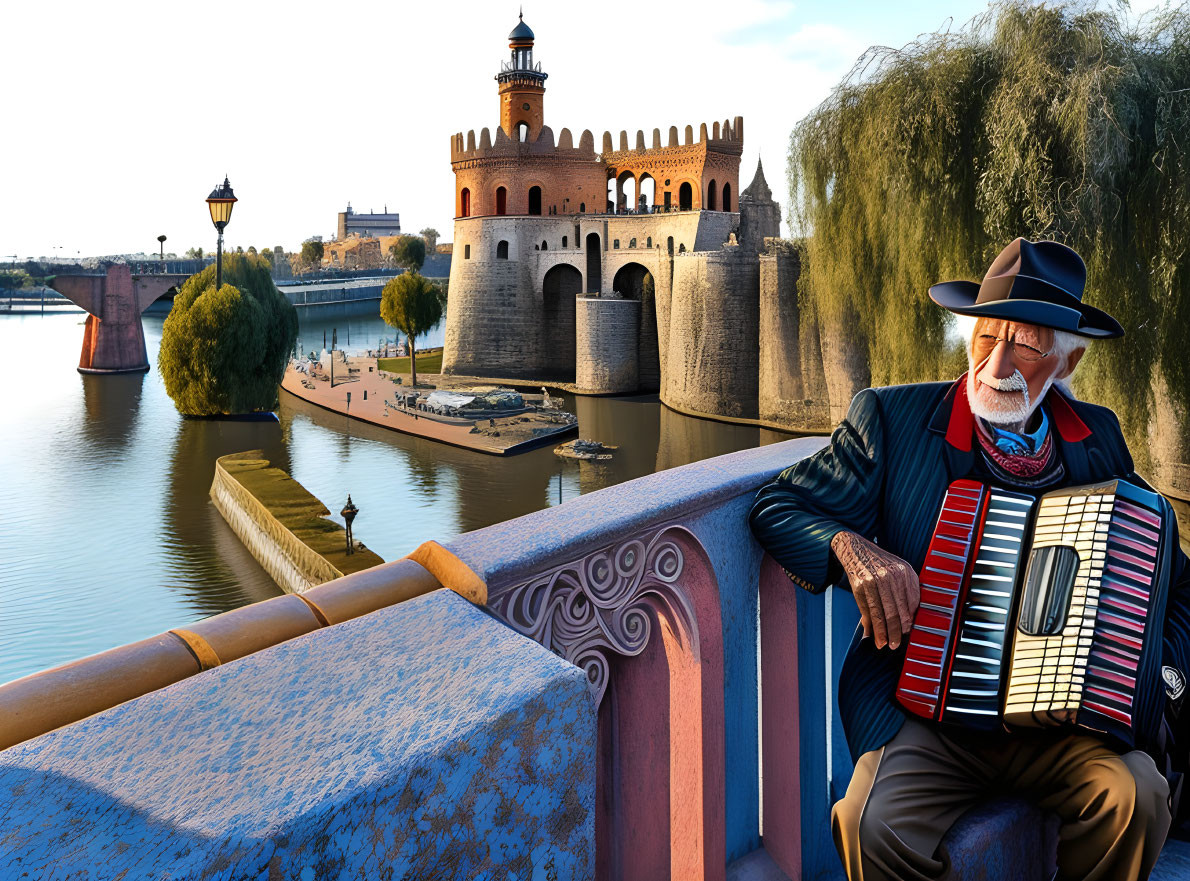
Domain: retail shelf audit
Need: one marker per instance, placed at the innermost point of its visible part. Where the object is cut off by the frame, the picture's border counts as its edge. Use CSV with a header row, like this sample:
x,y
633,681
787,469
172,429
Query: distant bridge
x,y
114,341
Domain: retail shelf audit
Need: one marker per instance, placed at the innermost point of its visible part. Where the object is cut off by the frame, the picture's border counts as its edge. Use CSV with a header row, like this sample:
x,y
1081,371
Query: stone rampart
x,y
502,317
607,332
792,383
714,336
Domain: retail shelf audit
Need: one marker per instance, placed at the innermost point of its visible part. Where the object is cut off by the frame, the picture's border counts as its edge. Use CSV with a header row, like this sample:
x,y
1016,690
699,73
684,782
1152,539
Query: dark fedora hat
x,y
1033,283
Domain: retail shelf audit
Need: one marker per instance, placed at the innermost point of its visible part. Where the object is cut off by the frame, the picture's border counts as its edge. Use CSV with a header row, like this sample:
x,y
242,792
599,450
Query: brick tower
x,y
522,87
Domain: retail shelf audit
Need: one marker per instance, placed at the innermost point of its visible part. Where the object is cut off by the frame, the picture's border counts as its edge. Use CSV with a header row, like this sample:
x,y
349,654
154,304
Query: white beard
x,y
1001,401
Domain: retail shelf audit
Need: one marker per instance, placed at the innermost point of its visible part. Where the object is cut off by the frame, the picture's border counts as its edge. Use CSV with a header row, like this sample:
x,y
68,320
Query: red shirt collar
x,y
960,430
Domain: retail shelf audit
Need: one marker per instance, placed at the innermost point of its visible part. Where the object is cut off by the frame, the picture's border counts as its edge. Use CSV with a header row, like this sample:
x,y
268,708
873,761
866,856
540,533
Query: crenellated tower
x,y
522,87
569,248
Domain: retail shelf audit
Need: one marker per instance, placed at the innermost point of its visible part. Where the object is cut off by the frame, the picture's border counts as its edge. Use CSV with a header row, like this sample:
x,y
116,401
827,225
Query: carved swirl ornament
x,y
587,610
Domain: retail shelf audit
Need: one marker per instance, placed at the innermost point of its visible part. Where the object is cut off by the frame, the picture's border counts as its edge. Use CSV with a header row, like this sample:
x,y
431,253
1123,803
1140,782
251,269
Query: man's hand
x,y
885,587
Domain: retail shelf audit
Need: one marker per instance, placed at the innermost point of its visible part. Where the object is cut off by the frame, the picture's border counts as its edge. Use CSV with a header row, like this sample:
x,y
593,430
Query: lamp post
x,y
349,511
221,201
161,239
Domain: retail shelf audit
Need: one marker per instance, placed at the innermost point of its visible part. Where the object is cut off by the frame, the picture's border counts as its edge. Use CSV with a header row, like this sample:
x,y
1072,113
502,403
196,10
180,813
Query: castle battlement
x,y
726,138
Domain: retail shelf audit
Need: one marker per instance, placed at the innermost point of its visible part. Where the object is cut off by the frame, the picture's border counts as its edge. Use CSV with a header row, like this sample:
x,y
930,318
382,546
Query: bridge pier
x,y
113,340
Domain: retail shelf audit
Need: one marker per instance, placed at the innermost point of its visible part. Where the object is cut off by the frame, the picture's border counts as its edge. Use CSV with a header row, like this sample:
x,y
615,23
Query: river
x,y
107,533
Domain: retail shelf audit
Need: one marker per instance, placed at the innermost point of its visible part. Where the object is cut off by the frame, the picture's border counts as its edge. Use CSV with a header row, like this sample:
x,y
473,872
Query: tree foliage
x,y
1059,121
409,252
225,351
312,253
412,305
431,238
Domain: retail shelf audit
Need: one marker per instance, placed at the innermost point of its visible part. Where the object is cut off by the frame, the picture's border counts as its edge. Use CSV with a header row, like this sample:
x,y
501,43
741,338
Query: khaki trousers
x,y
1114,809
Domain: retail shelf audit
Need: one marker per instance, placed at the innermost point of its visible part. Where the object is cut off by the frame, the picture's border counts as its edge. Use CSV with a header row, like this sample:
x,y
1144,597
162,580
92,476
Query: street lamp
x,y
161,239
221,201
349,511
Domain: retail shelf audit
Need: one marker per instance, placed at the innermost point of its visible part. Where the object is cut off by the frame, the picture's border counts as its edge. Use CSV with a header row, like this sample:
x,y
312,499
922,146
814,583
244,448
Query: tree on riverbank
x,y
1062,122
409,252
225,351
412,305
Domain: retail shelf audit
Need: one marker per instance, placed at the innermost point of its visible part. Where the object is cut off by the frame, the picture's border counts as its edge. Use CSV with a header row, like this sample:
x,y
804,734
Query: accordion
x,y
1034,611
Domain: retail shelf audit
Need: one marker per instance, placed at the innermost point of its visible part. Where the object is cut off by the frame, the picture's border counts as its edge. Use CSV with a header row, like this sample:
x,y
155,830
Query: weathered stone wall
x,y
292,564
792,383
497,323
607,345
714,338
493,314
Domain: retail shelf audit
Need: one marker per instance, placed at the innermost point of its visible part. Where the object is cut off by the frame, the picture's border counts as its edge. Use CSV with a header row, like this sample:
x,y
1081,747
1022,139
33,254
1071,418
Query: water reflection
x,y
111,405
107,531
192,527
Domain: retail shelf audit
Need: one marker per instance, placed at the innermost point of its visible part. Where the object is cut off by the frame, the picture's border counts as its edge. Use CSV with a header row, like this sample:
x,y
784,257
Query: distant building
x,y
367,225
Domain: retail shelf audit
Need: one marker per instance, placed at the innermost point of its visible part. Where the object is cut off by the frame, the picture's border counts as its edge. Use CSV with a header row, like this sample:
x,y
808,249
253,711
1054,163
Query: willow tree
x,y
224,351
1062,121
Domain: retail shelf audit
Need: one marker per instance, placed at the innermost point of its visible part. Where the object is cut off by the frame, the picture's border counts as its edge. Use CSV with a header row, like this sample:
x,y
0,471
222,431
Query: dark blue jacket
x,y
884,475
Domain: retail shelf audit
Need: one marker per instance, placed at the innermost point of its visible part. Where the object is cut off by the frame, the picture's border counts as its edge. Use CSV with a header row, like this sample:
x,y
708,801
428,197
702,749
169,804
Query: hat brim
x,y
1086,321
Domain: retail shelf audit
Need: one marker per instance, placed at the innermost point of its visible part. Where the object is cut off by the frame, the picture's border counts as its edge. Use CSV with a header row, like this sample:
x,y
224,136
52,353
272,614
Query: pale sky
x,y
120,117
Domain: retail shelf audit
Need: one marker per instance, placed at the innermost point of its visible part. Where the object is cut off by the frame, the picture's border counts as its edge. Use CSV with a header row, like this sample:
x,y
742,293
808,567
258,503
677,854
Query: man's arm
x,y
817,516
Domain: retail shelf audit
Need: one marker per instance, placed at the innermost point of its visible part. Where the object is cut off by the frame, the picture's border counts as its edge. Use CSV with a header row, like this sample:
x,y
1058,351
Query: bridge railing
x,y
426,735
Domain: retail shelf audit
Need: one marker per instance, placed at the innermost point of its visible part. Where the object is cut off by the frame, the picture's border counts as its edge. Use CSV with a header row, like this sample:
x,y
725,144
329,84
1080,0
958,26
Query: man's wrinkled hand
x,y
885,587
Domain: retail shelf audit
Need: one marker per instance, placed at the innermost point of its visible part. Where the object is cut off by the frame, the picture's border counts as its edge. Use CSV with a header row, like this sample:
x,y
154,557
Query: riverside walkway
x,y
497,434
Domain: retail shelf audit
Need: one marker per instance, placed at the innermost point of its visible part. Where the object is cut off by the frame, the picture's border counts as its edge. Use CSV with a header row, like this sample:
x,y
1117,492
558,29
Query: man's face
x,y
1011,368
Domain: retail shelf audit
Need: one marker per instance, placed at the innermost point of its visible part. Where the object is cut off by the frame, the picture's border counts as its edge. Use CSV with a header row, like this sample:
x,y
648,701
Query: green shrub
x,y
225,351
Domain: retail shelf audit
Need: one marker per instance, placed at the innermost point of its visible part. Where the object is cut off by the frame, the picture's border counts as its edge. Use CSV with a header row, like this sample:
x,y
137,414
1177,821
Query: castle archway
x,y
625,192
559,288
534,200
685,197
634,282
648,192
594,264
501,200
711,196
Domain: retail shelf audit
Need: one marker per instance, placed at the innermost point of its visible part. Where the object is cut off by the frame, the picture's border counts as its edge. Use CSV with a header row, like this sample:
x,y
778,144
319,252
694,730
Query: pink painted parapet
x,y
114,341
781,756
661,781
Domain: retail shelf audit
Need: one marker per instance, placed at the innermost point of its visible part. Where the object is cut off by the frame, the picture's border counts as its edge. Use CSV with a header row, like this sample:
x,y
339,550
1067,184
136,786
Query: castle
x,y
637,268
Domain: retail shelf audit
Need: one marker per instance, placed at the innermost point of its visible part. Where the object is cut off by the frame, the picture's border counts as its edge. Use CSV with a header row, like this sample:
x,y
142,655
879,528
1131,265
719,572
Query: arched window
x,y
465,203
632,242
649,242
501,200
594,264
685,197
522,131
669,245
681,249
727,197
582,207
616,244
502,250
711,196
545,246
466,252
563,241
534,200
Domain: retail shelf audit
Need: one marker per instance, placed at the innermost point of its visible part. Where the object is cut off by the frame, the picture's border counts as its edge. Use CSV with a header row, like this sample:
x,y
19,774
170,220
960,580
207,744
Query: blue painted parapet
x,y
422,741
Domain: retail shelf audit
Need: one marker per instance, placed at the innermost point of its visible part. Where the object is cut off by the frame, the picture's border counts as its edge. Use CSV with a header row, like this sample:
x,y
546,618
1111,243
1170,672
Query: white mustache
x,y
1014,383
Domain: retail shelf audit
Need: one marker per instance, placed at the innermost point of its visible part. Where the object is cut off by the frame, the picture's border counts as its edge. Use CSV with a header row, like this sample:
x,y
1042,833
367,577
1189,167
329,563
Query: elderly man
x,y
862,512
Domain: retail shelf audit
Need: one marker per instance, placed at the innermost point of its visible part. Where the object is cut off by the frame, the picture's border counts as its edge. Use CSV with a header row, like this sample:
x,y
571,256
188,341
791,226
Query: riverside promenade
x,y
494,434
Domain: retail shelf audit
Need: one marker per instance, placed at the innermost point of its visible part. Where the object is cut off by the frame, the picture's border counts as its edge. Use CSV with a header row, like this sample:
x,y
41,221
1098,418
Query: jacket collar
x,y
953,419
